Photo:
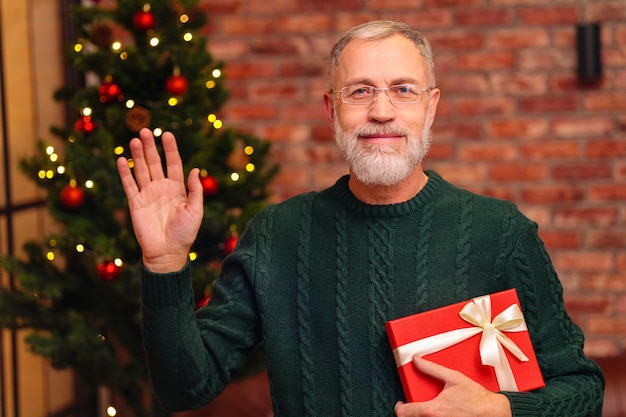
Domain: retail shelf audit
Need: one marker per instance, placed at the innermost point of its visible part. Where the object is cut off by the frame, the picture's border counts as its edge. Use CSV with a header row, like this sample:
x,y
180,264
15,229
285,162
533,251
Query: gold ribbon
x,y
492,342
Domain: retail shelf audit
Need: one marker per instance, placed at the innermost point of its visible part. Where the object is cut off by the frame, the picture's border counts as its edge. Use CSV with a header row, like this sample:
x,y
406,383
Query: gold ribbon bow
x,y
492,342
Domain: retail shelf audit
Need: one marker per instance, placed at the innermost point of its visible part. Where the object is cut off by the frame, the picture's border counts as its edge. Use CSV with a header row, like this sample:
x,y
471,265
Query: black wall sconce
x,y
588,44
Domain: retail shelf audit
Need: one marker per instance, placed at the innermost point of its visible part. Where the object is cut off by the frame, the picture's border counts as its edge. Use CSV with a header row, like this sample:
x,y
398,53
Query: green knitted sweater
x,y
316,278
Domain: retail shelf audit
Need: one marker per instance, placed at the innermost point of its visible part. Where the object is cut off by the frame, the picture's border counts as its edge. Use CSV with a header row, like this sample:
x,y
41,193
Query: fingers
x,y
172,158
435,370
151,154
128,181
195,195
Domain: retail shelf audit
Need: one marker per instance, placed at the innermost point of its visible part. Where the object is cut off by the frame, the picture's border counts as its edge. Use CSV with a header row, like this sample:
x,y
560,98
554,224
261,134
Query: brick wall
x,y
513,121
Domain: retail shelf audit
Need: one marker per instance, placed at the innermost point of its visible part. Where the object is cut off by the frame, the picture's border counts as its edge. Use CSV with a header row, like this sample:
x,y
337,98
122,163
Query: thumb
x,y
195,195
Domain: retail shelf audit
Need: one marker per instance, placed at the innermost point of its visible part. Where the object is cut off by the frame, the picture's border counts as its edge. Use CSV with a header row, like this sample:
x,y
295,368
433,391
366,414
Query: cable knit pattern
x,y
304,317
463,245
421,261
317,276
380,241
342,315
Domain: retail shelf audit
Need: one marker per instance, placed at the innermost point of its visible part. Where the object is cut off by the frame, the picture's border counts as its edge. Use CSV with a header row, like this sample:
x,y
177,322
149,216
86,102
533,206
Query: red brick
x,y
474,84
445,3
550,103
440,151
522,84
582,172
547,59
585,217
483,16
588,304
517,128
457,40
488,152
606,149
606,239
250,111
250,70
552,194
605,102
517,172
601,324
612,282
550,150
561,239
517,38
457,130
548,16
486,61
583,261
608,192
303,112
483,106
582,126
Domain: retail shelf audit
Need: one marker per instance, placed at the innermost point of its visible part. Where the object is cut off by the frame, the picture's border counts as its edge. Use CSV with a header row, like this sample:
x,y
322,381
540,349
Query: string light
x,y
184,18
172,101
130,104
118,150
217,73
250,167
210,84
61,170
248,150
86,111
234,177
111,411
154,41
211,118
187,37
50,256
78,47
116,46
118,262
218,124
157,132
193,256
89,184
80,248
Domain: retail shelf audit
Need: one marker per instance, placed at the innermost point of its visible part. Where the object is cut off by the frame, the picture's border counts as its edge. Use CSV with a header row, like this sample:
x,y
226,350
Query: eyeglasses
x,y
397,94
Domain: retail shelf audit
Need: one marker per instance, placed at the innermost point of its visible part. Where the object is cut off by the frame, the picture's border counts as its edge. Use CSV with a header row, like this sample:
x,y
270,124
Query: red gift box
x,y
485,338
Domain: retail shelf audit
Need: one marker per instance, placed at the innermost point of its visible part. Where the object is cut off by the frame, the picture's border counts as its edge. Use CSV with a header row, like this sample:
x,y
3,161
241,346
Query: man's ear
x,y
329,108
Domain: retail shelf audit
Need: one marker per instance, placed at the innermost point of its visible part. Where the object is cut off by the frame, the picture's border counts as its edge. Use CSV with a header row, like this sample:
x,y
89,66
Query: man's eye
x,y
361,91
404,89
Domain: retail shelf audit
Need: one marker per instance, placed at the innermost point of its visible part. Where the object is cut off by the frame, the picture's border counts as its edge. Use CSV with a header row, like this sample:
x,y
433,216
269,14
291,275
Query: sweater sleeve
x,y
574,383
191,354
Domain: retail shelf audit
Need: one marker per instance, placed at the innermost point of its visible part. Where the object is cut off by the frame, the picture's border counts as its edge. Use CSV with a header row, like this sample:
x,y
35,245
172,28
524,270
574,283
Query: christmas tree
x,y
144,65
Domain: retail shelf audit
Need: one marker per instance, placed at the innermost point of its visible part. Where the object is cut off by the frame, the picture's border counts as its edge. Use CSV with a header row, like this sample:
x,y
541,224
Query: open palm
x,y
166,218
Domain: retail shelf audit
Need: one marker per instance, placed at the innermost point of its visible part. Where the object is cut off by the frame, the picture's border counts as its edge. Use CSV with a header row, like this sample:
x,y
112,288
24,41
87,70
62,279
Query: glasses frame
x,y
386,90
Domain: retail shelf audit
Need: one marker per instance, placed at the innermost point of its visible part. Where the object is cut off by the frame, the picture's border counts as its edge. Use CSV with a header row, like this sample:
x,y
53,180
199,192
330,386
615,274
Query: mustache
x,y
382,129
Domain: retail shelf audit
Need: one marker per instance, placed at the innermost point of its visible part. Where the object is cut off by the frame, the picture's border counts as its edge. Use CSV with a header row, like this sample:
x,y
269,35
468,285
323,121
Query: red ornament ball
x,y
85,125
210,186
109,92
230,243
203,301
72,196
108,271
176,85
143,20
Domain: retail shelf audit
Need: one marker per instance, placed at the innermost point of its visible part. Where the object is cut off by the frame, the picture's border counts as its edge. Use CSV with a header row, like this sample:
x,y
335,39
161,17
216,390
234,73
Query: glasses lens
x,y
358,94
405,93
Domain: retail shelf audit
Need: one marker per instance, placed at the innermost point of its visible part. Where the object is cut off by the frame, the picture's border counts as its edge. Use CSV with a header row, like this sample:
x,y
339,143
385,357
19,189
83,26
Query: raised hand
x,y
166,218
461,396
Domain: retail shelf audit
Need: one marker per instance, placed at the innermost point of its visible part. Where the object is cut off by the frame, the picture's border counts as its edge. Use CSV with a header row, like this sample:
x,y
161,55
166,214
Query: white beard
x,y
383,165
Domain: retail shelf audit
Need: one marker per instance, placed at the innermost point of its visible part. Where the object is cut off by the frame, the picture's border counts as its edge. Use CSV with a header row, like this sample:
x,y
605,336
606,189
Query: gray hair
x,y
381,29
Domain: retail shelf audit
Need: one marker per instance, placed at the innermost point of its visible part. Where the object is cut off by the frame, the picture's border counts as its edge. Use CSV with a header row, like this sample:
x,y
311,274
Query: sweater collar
x,y
345,196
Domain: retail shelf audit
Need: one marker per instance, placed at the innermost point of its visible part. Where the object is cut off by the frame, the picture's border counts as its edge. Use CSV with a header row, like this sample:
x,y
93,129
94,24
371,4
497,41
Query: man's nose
x,y
381,109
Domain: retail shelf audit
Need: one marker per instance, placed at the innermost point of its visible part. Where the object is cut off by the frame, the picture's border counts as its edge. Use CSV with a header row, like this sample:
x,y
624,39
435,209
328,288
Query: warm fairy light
x,y
124,56
89,184
52,243
157,132
218,124
130,104
118,150
54,157
210,84
50,150
250,167
211,118
61,169
193,256
217,73
184,18
187,36
248,150
111,411
41,174
234,177
118,262
50,256
49,174
80,248
86,111
154,41
102,337
131,163
172,101
116,46
78,47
